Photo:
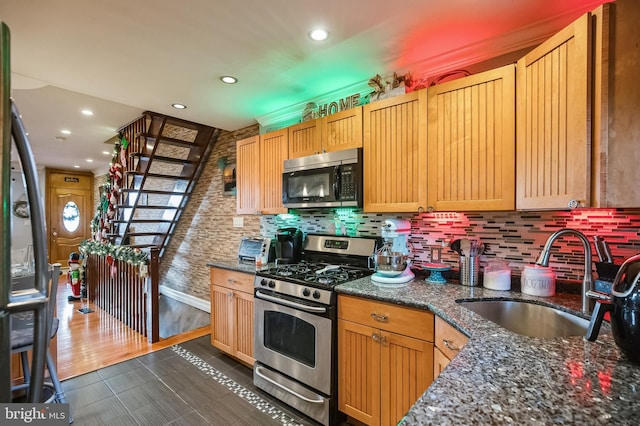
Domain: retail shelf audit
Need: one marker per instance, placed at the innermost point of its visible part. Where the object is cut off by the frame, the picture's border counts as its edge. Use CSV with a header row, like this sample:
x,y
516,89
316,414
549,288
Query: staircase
x,y
160,159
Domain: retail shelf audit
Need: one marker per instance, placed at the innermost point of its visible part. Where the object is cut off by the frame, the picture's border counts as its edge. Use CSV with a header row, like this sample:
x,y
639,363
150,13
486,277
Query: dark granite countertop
x,y
500,377
233,265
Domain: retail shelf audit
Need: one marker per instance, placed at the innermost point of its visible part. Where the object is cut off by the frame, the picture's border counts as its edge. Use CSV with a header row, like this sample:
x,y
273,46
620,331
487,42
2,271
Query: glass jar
x,y
497,275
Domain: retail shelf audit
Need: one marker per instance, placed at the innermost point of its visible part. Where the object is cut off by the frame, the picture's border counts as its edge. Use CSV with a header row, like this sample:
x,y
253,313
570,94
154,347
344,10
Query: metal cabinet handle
x,y
573,204
231,281
230,294
379,317
449,344
377,338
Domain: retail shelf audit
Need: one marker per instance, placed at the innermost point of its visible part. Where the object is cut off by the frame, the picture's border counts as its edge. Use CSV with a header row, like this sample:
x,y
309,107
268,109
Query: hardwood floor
x,y
87,342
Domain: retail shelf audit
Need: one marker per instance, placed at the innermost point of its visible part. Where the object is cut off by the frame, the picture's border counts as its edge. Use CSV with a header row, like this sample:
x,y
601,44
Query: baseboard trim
x,y
188,299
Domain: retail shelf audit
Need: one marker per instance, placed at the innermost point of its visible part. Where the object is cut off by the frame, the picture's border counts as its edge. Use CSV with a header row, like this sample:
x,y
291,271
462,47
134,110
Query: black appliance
x,y
288,245
332,179
295,320
624,306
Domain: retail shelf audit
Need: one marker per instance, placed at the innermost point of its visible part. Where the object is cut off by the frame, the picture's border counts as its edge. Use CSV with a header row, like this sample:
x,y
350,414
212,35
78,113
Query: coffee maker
x,y
288,245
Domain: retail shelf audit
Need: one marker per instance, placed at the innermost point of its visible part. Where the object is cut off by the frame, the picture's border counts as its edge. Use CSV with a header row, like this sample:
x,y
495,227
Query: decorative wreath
x,y
21,209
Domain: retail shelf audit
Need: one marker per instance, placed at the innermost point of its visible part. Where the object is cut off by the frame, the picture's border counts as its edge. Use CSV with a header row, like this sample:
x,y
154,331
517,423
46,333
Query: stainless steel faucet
x,y
587,281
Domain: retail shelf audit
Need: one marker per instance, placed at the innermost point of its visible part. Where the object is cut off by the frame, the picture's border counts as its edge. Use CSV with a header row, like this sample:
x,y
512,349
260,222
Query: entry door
x,y
70,209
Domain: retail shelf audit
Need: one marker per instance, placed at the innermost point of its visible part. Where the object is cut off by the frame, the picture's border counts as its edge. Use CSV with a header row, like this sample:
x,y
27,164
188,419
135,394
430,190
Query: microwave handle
x,y
337,177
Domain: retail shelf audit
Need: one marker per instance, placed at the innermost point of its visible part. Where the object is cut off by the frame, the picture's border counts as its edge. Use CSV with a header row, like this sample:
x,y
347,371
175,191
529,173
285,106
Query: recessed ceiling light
x,y
89,160
65,132
179,106
87,112
106,152
228,79
76,167
318,35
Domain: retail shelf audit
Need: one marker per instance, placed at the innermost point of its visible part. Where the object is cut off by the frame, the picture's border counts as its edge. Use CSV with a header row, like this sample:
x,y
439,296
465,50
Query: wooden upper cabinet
x,y
471,142
342,130
553,145
248,175
304,139
616,106
395,153
335,132
273,151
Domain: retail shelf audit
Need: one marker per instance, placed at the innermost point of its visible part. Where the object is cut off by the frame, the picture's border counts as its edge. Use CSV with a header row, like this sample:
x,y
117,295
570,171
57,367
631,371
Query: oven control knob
x,y
306,292
272,283
263,282
316,294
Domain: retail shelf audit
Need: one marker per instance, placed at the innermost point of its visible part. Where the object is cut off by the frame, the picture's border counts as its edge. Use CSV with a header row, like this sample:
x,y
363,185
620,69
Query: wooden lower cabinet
x,y
232,313
385,359
448,342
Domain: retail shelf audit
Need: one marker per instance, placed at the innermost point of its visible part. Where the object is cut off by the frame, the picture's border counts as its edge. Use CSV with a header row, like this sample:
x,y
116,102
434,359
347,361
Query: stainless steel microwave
x,y
332,179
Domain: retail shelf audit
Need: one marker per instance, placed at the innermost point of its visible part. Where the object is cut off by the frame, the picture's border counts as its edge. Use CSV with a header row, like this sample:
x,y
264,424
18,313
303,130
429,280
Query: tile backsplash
x,y
517,237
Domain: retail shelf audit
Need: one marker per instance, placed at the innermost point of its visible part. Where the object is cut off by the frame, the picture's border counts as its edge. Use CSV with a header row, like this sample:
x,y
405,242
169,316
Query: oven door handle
x,y
286,389
313,309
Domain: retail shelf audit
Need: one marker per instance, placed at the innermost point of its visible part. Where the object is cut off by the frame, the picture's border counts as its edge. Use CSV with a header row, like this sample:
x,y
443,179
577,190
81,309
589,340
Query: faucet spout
x,y
587,281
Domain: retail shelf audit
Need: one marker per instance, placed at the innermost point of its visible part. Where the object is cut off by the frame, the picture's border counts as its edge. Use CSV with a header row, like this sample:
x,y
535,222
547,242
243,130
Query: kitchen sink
x,y
529,319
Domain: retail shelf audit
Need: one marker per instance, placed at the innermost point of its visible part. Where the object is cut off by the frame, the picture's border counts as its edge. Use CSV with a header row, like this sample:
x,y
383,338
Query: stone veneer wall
x,y
205,230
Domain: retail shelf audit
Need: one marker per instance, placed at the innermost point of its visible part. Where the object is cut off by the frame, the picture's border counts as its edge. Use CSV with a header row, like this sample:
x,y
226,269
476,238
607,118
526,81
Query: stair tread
x,y
161,158
170,141
153,191
148,207
143,221
156,175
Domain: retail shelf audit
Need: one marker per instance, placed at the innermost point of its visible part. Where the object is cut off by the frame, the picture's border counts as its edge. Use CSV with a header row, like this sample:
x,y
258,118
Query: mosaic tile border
x,y
251,397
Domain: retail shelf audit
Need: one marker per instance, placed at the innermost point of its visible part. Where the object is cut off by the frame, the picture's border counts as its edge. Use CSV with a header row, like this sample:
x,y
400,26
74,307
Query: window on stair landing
x,y
71,216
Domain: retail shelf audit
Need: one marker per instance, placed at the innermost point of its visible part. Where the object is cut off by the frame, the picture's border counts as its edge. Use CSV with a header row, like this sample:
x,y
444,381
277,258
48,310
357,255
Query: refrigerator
x,y
31,264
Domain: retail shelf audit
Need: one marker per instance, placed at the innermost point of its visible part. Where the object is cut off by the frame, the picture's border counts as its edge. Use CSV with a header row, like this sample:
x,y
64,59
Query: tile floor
x,y
189,384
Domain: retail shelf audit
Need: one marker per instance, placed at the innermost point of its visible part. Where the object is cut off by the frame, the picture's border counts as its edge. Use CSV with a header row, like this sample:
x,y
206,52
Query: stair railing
x,y
128,291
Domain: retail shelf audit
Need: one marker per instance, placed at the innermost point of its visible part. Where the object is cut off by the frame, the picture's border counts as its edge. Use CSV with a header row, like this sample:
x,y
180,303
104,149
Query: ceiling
x,y
121,57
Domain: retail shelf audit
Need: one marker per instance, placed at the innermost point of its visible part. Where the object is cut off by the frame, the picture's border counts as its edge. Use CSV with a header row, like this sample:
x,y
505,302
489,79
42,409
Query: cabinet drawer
x,y
448,339
385,316
239,281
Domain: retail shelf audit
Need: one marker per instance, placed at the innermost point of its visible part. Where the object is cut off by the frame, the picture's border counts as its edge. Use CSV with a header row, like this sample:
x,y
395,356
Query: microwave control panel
x,y
348,189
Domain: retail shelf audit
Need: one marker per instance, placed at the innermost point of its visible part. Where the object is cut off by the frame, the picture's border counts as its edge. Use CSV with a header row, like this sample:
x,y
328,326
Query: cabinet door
x,y
247,175
395,154
342,130
222,318
358,372
448,339
273,152
304,139
553,148
471,142
440,361
406,372
244,327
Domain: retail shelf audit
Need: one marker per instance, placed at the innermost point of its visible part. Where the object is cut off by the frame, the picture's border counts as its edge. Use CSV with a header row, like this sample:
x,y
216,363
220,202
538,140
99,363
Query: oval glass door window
x,y
71,216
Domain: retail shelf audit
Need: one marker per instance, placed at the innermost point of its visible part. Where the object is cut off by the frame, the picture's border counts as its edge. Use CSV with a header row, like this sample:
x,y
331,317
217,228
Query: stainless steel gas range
x,y
296,324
